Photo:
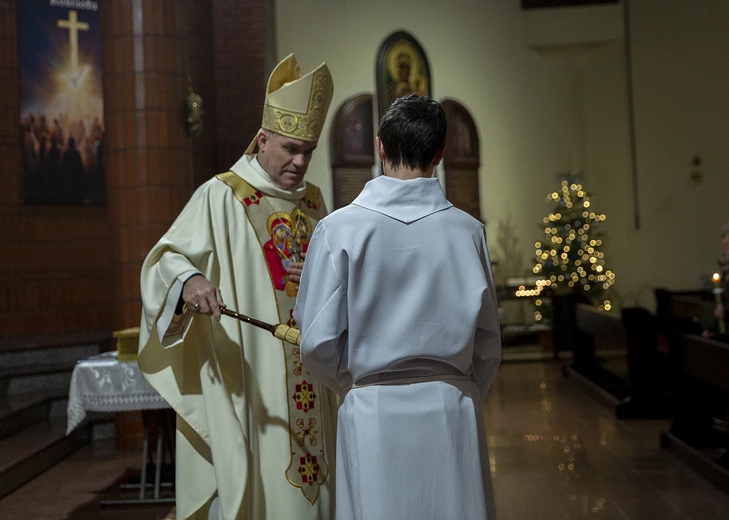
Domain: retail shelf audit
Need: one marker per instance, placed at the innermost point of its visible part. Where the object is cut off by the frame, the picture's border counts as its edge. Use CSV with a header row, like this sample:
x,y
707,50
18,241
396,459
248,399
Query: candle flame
x,y
717,281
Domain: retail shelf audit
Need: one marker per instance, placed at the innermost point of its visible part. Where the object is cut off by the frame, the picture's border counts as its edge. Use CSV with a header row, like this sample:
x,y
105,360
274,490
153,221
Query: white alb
x,y
398,315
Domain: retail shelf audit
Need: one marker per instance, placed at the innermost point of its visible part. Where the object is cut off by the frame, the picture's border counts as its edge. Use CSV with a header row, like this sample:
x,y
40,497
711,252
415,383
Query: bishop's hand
x,y
202,296
295,269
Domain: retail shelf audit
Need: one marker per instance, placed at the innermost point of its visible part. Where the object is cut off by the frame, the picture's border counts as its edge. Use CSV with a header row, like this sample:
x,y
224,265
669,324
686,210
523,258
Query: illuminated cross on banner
x,y
73,26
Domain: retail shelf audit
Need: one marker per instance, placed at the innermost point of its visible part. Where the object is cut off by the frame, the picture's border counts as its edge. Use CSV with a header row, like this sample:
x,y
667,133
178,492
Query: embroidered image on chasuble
x,y
278,255
283,228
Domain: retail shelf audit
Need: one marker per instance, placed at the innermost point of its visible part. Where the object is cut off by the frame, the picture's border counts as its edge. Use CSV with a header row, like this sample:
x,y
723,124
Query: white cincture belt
x,y
410,380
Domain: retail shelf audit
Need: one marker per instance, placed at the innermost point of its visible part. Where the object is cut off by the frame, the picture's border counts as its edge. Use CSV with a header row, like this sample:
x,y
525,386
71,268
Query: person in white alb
x,y
255,434
398,315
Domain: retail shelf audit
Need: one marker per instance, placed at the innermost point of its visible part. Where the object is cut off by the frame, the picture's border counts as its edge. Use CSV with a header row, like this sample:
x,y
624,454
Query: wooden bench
x,y
640,391
699,433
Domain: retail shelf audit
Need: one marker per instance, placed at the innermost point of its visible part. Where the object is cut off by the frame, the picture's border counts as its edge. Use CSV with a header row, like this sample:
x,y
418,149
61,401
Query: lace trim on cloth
x,y
104,384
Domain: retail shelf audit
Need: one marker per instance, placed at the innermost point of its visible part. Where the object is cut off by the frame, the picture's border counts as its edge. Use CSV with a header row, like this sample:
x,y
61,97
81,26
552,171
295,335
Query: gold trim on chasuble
x,y
275,222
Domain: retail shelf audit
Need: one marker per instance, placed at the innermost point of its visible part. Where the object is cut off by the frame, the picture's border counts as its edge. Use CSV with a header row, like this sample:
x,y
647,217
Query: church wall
x,y
54,260
522,103
546,111
680,82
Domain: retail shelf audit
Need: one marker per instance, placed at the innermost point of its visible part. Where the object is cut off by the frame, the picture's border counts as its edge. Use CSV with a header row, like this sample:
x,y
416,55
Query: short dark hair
x,y
412,131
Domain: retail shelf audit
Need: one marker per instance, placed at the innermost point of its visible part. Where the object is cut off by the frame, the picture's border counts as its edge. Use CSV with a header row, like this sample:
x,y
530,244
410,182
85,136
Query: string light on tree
x,y
571,255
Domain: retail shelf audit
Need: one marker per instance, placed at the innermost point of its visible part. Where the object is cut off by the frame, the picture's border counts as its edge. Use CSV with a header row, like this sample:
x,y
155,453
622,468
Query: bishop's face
x,y
285,159
725,241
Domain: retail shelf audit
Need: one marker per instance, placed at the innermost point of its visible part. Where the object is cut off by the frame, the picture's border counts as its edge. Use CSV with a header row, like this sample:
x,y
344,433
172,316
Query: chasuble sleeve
x,y
321,312
487,339
185,249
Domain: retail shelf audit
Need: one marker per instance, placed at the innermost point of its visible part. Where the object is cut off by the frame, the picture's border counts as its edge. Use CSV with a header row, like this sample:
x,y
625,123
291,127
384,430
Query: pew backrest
x,y
601,324
705,359
683,311
686,307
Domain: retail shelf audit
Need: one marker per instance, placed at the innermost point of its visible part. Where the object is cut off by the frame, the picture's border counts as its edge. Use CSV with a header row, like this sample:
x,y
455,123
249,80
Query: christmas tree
x,y
571,254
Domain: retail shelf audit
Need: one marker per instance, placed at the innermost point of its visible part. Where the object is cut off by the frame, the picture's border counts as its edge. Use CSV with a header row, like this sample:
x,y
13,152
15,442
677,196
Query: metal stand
x,y
163,434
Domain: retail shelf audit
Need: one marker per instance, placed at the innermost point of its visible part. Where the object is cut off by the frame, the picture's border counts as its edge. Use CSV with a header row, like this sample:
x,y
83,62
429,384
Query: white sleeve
x,y
186,249
487,340
167,335
321,312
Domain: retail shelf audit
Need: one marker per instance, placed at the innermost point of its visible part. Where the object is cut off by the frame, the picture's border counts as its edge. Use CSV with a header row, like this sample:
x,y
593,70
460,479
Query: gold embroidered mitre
x,y
296,105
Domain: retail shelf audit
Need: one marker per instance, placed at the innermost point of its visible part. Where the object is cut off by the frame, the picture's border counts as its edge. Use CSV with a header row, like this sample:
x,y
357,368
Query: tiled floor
x,y
555,454
71,489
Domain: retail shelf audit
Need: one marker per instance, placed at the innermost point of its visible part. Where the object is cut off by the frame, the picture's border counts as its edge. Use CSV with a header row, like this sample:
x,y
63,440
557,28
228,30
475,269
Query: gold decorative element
x,y
309,469
127,343
194,111
296,105
241,189
298,365
286,333
305,433
301,233
287,123
179,322
298,120
291,289
403,66
304,396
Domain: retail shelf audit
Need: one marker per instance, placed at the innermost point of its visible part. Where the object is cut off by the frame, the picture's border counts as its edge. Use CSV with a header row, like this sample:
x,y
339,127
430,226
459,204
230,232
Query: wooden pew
x,y
681,312
697,434
643,392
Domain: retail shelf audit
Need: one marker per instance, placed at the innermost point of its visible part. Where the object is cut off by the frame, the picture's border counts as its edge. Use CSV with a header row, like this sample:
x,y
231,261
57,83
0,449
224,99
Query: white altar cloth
x,y
102,383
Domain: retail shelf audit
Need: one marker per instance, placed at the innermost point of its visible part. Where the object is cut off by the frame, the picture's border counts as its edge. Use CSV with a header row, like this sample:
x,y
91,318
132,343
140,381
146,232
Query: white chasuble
x,y
254,428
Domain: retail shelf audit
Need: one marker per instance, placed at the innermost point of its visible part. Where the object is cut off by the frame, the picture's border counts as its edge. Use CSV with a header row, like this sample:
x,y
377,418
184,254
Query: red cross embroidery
x,y
311,204
253,199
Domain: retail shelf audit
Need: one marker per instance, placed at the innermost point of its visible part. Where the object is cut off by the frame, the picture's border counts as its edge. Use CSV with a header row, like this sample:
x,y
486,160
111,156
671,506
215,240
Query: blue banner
x,y
61,102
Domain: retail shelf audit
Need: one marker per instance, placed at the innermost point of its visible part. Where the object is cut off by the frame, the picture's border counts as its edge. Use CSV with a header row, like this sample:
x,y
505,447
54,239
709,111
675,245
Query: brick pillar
x,y
11,322
200,51
245,54
149,154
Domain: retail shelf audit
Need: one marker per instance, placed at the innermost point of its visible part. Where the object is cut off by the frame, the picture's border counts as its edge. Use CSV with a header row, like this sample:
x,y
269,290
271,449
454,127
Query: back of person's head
x,y
412,131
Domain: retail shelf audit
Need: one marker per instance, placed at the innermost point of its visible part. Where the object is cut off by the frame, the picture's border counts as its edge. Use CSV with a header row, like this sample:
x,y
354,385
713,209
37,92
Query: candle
x,y
719,304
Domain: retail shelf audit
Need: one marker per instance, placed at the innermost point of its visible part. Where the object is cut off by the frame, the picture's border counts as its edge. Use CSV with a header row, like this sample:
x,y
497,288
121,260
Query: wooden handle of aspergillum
x,y
286,333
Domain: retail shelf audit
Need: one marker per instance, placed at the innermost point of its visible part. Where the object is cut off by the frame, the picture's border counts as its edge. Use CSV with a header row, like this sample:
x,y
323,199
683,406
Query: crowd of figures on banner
x,y
63,159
